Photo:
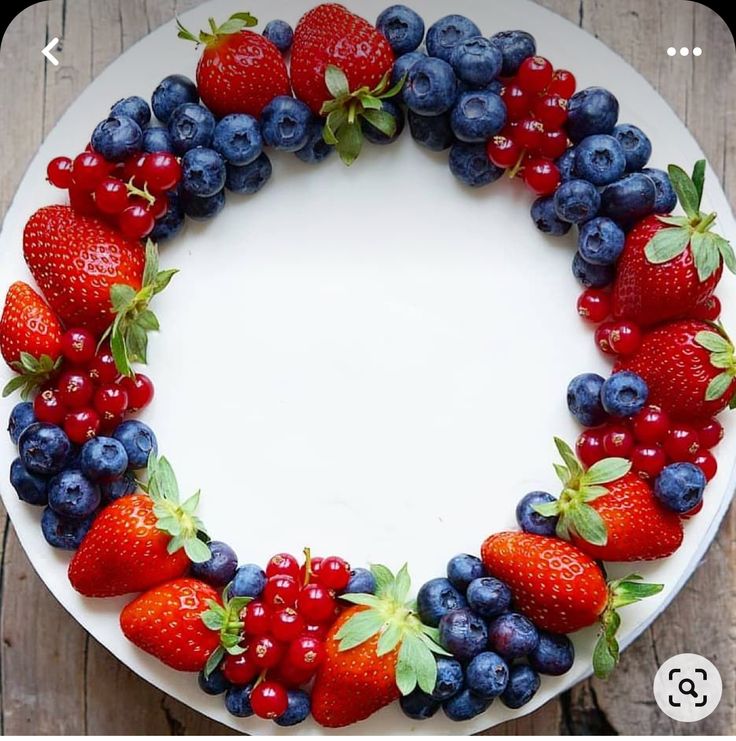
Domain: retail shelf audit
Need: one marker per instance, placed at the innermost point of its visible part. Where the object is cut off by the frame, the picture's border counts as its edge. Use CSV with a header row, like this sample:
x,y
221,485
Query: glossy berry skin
x,y
316,603
102,369
522,686
487,675
103,458
334,573
203,172
63,532
257,618
29,487
503,151
463,634
512,635
283,564
534,74
418,705
140,391
59,172
297,710
361,581
470,164
82,424
709,310
544,216
44,449
237,700
138,441
651,425
450,678
110,401
665,198
528,133
589,447
47,407
541,176
21,417
624,338
219,569
190,125
88,170
403,27
136,222
171,92
476,61
618,441
462,569
680,487
516,46
240,669
269,700
594,305
28,325
599,159
562,84
286,625
265,652
285,123
111,196
710,433
553,144
281,591
249,581
593,110
488,597
280,34
584,399
465,706
117,138
554,654
529,520
517,101
624,394
601,241
590,275
446,33
635,145
628,199
71,494
237,138
431,87
648,460
305,653
161,171
75,389
134,107
214,684
707,463
681,442
436,598
576,201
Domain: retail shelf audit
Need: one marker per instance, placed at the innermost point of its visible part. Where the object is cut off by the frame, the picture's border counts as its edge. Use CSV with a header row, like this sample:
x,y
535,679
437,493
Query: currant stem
x,y
512,173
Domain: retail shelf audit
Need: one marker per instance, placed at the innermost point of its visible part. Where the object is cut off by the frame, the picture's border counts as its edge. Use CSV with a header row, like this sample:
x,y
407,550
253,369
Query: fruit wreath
x,y
316,636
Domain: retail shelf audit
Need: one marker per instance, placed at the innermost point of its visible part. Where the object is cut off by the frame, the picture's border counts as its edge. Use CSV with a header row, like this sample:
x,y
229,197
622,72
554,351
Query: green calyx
x,y
576,516
32,373
226,619
234,24
390,617
133,319
347,111
721,356
693,229
621,592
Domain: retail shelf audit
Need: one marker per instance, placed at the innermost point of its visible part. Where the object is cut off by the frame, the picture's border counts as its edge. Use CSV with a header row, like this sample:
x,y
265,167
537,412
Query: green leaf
x,y
562,473
588,524
335,120
395,90
232,25
705,254
359,628
120,353
213,661
631,589
722,359
425,668
713,341
604,657
718,386
148,321
250,20
432,644
13,385
336,81
674,220
212,619
381,120
150,268
686,191
402,584
593,492
371,103
121,297
163,279
182,33
137,342
607,470
568,457
191,504
667,244
698,179
389,639
384,578
367,600
196,550
406,675
548,509
724,247
349,142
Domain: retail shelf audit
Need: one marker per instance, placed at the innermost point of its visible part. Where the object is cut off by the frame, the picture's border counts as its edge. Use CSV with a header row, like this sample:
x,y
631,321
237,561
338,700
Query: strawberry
x,y
689,367
340,67
239,71
375,651
562,589
140,540
671,265
621,521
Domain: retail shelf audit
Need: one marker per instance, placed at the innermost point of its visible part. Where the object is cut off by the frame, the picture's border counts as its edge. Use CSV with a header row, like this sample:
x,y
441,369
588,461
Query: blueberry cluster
x,y
496,652
73,482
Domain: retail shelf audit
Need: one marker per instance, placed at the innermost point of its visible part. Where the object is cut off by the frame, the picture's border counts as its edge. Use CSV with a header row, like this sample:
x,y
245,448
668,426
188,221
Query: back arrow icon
x,y
46,51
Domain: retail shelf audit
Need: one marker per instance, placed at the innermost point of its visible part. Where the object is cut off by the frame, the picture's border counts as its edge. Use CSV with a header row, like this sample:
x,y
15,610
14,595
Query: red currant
x,y
316,631
692,512
710,433
335,573
651,425
710,310
528,134
517,101
89,169
281,591
315,565
316,603
161,171
602,337
681,443
81,425
553,143
78,346
257,619
624,338
75,389
265,652
139,389
108,425
269,700
589,447
102,369
618,441
111,196
47,407
594,305
111,401
59,172
283,564
133,169
503,151
136,222
562,83
306,653
707,463
541,176
286,624
82,201
534,74
159,207
291,676
648,460
239,669
551,110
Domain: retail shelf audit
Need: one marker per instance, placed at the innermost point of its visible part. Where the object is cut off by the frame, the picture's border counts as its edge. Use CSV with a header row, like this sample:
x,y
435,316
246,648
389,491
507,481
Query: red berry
x,y
316,631
111,196
528,134
136,222
133,168
59,172
111,401
239,669
602,337
47,407
306,653
315,565
624,338
707,463
648,460
517,101
102,369
283,564
75,389
108,425
160,171
651,425
335,573
89,169
541,176
534,74
681,443
81,425
269,700
553,143
286,624
265,652
82,201
159,207
78,346
291,676
692,512
594,305
551,110
562,83
257,619
139,389
710,433
503,151
589,447
618,441
710,310
316,603
281,591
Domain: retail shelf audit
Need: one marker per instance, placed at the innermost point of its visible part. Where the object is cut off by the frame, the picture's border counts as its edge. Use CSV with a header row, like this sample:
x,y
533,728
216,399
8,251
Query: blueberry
x,y
522,686
469,163
577,201
28,486
584,399
170,224
462,569
477,116
215,684
298,709
488,596
238,139
203,172
73,495
591,111
566,165
361,581
64,532
554,654
450,678
374,136
21,416
435,599
680,486
117,138
402,66
665,198
487,675
635,144
599,159
316,149
431,87
530,521
190,125
138,440
249,581
219,569
465,706
172,92
403,27
432,132
601,241
629,199
285,123
515,46
544,216
248,179
512,635
477,61
119,488
446,33
103,458
280,34
418,705
157,139
463,634
134,107
200,208
44,449
624,394
590,275
237,700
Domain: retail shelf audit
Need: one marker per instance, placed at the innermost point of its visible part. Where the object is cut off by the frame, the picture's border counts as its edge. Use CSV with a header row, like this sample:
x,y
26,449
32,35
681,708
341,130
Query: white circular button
x,y
688,687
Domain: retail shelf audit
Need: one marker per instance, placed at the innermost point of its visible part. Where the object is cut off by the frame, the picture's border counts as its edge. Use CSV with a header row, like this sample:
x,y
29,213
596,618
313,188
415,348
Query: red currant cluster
x,y
89,396
536,104
285,629
131,194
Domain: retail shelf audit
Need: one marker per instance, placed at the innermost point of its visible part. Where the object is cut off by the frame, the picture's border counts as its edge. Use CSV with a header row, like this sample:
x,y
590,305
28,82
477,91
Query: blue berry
x,y
432,132
522,686
374,136
577,201
71,494
515,46
469,163
249,581
138,440
680,486
361,581
285,123
477,116
431,87
566,165
298,709
170,93
248,179
219,569
200,208
28,486
215,684
599,159
554,654
418,705
435,599
402,65
462,569
629,199
21,416
237,701
530,521
190,125
44,449
170,224
635,144
601,241
316,149
64,532
280,34
117,138
487,675
477,61
450,678
119,488
590,275
624,394
103,458
512,635
156,139
463,634
446,33
584,399
238,139
465,706
134,107
403,27
593,110
665,198
544,216
488,596
203,172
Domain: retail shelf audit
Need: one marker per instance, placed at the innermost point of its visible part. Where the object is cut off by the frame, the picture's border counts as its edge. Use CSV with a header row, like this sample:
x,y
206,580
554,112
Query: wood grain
x,y
74,685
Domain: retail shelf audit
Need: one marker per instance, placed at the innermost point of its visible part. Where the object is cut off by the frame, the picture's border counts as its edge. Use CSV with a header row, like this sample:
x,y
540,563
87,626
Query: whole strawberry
x,y
689,367
671,265
239,71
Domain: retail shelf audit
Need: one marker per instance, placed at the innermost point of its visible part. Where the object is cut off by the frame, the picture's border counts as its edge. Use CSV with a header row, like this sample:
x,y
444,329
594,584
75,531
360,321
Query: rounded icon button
x,y
687,687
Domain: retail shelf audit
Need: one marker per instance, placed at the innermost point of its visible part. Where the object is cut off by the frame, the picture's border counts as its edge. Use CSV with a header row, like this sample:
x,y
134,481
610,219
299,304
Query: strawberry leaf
x,y
359,628
32,373
713,341
382,120
213,661
588,524
547,509
724,247
384,578
606,470
698,179
336,81
349,141
705,253
367,600
389,639
196,550
406,677
402,584
631,589
686,191
667,244
718,386
675,220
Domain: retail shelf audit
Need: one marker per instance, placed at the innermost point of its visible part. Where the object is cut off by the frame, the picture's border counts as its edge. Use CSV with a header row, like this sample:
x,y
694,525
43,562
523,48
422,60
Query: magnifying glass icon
x,y
690,687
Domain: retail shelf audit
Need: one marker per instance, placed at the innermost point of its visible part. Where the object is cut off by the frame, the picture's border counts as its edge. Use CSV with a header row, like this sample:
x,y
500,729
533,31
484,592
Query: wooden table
x,y
58,680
